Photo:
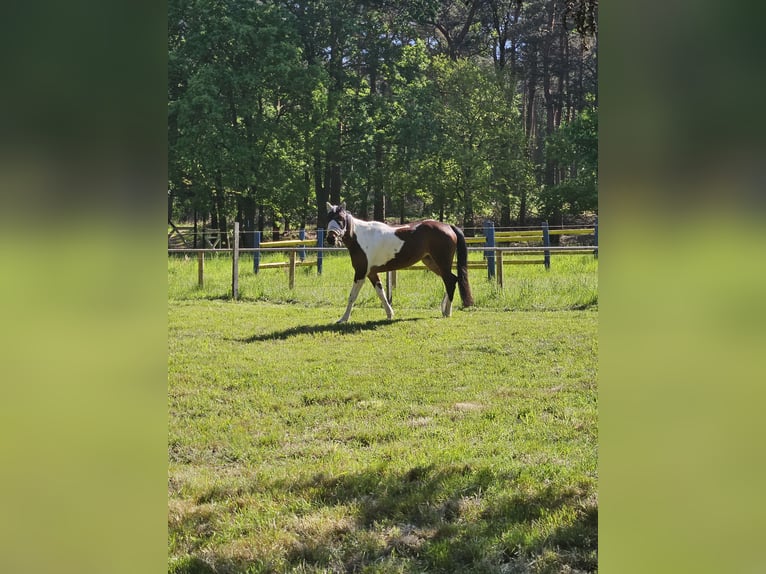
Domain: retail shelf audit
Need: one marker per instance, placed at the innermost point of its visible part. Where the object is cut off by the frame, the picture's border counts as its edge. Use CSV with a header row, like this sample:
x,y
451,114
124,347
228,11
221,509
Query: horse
x,y
375,247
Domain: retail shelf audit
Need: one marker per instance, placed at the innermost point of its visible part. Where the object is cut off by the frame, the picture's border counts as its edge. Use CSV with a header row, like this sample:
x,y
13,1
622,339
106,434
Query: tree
x,y
239,94
482,134
453,109
573,150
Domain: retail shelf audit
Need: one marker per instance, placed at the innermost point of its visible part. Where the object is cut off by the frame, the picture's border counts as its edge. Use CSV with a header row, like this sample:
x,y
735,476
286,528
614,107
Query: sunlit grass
x,y
570,283
422,444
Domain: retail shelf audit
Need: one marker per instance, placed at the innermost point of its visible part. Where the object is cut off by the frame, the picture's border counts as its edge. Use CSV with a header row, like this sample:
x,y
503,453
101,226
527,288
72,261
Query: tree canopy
x,y
460,110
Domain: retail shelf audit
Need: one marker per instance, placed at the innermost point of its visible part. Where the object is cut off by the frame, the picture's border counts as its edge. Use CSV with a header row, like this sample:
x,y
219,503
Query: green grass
x,y
571,283
422,444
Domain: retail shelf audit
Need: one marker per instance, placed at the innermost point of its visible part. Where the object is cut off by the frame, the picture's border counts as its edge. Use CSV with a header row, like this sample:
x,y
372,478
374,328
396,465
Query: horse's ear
x,y
329,207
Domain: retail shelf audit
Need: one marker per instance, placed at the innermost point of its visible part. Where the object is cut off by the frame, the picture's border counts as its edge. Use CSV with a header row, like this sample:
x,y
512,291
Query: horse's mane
x,y
350,224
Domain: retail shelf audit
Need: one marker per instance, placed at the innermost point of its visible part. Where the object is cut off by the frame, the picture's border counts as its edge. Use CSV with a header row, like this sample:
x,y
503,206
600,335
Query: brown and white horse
x,y
375,247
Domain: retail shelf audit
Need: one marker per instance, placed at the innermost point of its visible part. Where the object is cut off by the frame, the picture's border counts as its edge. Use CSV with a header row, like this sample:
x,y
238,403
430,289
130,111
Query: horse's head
x,y
336,224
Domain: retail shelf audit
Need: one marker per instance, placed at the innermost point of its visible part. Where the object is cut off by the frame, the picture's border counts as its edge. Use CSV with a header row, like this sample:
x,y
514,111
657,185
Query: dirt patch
x,y
467,406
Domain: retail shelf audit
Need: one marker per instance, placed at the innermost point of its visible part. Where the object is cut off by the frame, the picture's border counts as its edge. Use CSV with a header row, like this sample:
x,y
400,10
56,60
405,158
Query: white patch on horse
x,y
378,241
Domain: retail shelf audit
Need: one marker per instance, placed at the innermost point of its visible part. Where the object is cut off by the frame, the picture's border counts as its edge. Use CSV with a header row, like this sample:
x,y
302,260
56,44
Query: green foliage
x,y
276,107
241,104
574,147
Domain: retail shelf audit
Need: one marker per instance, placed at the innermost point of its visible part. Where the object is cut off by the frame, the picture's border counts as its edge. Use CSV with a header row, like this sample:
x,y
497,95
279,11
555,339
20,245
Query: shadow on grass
x,y
342,328
449,518
441,519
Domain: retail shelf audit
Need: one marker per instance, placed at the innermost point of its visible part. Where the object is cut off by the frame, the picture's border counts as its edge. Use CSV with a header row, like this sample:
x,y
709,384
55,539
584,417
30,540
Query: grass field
x,y
421,444
571,283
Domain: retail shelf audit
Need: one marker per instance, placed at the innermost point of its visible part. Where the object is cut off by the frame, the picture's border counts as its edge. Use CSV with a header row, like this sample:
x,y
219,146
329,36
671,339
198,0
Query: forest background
x,y
461,110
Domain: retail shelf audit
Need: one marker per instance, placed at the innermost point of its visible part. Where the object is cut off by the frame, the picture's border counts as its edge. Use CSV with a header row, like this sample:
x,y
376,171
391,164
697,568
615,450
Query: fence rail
x,y
589,249
491,240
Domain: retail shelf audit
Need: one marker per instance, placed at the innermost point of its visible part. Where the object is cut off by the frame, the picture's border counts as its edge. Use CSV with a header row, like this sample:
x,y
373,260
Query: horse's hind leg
x,y
375,280
450,281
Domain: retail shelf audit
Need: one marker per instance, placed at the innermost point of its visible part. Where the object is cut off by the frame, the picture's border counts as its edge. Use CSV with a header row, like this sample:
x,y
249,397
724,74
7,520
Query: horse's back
x,y
429,233
427,237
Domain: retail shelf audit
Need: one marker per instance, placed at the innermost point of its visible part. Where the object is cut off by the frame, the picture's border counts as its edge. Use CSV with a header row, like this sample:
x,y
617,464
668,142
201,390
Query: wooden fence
x,y
493,244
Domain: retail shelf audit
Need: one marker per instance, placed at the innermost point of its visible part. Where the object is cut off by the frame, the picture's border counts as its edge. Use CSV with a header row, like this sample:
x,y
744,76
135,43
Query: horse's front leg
x,y
351,298
375,280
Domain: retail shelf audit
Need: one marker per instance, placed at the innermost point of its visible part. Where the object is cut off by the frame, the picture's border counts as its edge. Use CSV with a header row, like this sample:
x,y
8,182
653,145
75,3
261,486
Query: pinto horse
x,y
376,247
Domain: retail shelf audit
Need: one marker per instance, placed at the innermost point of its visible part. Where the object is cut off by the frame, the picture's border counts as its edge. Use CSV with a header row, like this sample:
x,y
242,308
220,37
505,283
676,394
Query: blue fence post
x,y
489,254
595,238
302,237
320,244
256,254
546,243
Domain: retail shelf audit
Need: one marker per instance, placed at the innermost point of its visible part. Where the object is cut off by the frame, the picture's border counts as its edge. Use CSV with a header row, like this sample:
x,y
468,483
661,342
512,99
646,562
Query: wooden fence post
x,y
500,268
489,254
390,281
235,263
546,243
256,254
201,268
291,272
320,244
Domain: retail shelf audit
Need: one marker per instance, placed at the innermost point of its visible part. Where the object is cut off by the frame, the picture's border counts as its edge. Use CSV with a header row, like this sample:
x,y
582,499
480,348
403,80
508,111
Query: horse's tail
x,y
462,268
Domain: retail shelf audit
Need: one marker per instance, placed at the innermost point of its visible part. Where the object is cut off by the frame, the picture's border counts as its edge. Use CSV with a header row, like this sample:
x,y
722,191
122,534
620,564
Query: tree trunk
x,y
335,68
364,206
171,195
240,217
261,218
213,213
534,151
531,91
306,197
523,207
220,207
550,112
505,209
379,207
335,170
320,192
468,222
248,219
195,229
